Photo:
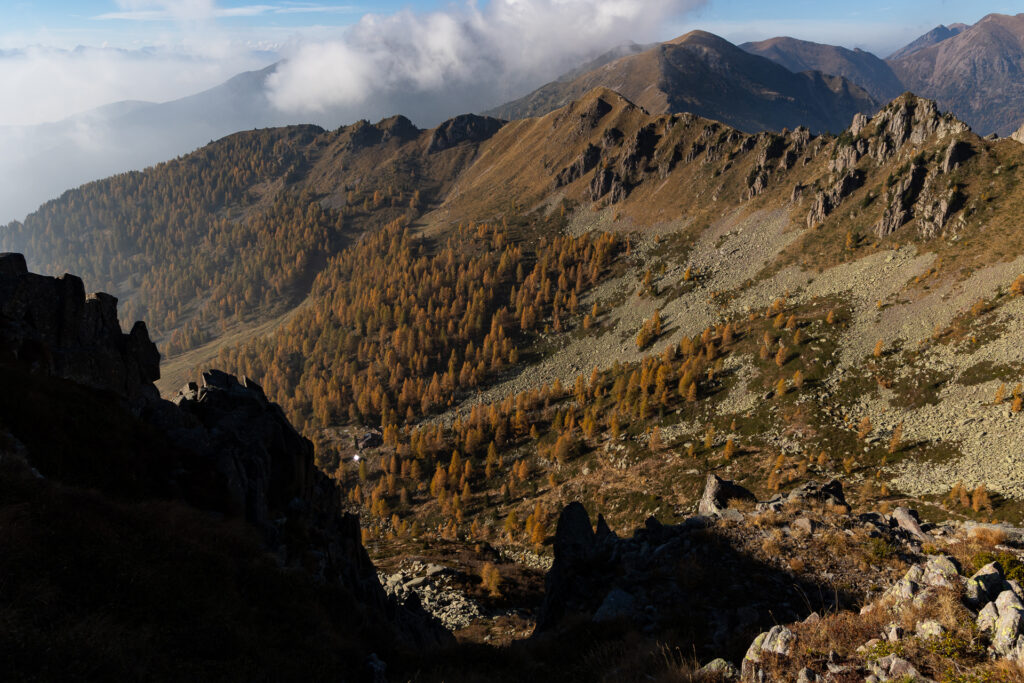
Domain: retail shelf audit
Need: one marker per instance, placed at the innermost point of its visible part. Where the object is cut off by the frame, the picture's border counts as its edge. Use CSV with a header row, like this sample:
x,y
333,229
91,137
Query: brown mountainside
x,y
936,35
978,73
703,74
856,66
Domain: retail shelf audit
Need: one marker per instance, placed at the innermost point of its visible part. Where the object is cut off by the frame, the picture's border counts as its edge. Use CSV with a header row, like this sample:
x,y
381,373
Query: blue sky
x,y
877,24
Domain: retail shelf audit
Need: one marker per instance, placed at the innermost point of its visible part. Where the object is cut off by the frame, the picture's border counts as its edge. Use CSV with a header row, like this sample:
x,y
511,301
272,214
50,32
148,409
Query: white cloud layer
x,y
48,84
467,53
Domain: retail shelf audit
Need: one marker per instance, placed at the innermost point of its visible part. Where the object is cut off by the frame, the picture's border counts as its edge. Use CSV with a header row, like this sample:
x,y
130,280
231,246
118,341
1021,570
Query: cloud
x,y
48,84
473,54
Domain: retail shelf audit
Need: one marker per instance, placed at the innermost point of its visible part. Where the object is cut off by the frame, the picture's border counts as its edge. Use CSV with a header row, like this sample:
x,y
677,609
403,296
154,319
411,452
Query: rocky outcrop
x,y
398,128
466,128
826,201
224,447
723,596
899,201
1018,134
257,466
911,119
924,195
958,152
587,161
265,466
50,326
607,182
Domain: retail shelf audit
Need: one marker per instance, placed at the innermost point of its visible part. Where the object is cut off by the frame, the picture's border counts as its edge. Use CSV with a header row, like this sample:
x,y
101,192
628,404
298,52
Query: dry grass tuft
x,y
986,537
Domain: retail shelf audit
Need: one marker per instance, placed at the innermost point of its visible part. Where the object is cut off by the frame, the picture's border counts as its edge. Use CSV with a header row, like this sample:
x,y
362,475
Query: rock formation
x,y
236,453
465,128
51,326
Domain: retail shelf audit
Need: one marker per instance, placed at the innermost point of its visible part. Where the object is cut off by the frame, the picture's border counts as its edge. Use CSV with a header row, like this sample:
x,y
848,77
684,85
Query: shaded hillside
x,y
856,66
165,540
703,74
936,35
977,73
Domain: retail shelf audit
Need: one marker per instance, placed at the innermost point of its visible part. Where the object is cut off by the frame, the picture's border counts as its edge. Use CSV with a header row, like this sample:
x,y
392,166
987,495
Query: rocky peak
x,y
50,326
911,119
466,128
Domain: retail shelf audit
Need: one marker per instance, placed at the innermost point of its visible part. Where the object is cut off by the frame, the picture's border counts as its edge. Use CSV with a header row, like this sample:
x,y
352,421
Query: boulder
x,y
987,618
717,494
618,604
721,670
893,667
777,641
908,522
940,572
985,585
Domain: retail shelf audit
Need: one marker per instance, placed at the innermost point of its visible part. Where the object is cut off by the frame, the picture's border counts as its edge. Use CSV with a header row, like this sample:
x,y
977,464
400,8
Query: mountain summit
x,y
704,74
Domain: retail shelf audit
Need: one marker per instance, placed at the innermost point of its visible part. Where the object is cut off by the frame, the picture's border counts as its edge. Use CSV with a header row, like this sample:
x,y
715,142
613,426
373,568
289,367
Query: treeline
x,y
176,242
399,326
453,477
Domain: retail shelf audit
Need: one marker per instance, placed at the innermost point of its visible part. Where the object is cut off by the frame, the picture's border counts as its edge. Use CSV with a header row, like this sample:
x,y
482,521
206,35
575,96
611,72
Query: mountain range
x,y
970,70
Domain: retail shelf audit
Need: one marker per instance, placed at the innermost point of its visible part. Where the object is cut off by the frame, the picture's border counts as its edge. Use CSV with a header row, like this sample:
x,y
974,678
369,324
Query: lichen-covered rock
x,y
940,572
985,585
720,669
777,641
987,618
929,629
893,667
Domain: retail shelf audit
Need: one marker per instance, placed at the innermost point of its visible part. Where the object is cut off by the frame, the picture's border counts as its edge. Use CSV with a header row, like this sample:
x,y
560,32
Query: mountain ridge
x,y
751,93
857,66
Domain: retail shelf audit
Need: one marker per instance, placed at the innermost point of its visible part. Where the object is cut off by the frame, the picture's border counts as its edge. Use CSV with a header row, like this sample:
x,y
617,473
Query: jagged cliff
x,y
87,414
50,325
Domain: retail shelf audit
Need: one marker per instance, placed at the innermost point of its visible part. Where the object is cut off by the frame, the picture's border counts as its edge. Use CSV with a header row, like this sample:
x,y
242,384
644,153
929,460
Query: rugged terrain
x,y
491,331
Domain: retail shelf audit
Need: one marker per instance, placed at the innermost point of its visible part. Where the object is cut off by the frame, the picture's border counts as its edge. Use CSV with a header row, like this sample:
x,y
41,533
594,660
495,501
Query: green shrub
x,y
1013,567
880,549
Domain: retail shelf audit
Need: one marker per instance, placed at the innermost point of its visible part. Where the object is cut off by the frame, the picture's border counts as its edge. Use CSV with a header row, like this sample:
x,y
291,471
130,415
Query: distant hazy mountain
x,y
978,73
856,66
42,161
38,163
709,76
936,35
